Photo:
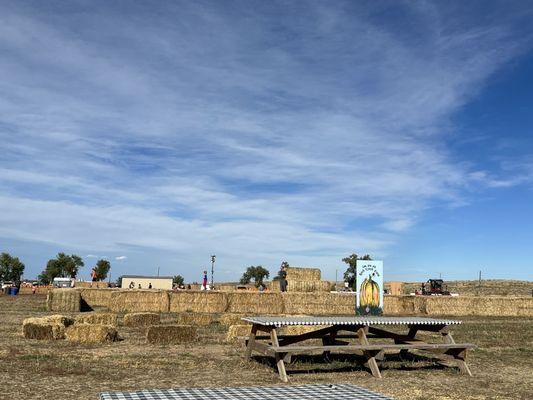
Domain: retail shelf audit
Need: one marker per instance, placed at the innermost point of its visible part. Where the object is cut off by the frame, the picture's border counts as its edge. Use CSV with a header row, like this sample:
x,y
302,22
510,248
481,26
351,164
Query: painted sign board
x,y
369,296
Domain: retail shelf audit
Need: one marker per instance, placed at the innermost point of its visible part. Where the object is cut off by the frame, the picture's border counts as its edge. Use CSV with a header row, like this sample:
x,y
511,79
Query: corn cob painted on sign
x,y
369,298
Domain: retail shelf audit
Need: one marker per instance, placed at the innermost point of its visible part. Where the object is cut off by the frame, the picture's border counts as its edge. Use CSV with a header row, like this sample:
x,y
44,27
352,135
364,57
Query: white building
x,y
144,282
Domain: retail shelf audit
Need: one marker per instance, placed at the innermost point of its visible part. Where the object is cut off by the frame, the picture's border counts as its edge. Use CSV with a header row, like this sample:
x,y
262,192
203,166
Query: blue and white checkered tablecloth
x,y
302,392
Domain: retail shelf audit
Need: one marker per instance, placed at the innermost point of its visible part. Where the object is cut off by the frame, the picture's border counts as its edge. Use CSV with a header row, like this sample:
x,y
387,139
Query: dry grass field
x,y
31,369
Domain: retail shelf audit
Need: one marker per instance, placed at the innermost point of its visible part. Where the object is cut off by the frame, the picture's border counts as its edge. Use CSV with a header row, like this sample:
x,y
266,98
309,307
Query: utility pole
x,y
336,279
480,278
213,257
158,272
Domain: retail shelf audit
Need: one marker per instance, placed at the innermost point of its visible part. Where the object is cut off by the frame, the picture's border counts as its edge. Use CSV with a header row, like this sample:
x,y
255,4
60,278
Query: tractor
x,y
435,287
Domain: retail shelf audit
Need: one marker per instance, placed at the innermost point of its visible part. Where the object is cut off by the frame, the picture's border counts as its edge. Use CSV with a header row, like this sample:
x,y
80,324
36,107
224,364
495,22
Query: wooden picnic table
x,y
336,333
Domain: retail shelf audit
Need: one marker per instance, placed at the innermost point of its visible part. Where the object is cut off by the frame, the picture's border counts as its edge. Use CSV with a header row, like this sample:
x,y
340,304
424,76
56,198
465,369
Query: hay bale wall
x,y
141,319
171,334
65,300
139,301
196,319
97,319
237,331
255,303
319,303
97,298
198,301
303,274
308,286
229,319
95,285
85,333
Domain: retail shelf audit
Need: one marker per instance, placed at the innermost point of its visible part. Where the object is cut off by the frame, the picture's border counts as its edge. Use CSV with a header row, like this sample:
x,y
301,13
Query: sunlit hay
x,y
42,329
255,303
308,286
303,274
171,334
238,331
97,297
139,301
319,303
88,333
141,319
97,319
94,285
198,301
196,319
483,306
66,300
229,319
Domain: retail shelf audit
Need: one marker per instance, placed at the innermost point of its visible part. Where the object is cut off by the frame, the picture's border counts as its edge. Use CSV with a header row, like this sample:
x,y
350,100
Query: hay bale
x,y
308,286
94,285
255,303
483,306
139,301
171,334
66,300
303,274
198,301
42,329
229,319
86,333
196,319
238,331
296,330
319,303
97,298
97,319
141,319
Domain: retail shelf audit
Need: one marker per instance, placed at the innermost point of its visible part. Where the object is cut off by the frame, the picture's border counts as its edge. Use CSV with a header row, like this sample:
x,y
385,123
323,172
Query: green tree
x,y
102,269
178,280
349,275
11,268
63,265
256,273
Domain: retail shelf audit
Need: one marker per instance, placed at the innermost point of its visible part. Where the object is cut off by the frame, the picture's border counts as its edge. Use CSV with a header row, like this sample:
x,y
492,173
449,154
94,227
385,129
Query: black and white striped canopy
x,y
355,320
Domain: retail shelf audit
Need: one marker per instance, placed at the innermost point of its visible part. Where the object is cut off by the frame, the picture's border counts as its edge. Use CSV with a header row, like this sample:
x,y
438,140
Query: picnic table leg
x,y
251,342
370,359
413,330
328,339
460,358
279,356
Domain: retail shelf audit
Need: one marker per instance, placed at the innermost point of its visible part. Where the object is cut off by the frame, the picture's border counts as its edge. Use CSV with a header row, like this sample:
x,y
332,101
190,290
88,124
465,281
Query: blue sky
x,y
157,133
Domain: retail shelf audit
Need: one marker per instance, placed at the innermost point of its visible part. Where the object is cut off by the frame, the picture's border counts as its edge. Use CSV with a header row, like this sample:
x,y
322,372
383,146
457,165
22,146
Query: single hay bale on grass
x,y
86,333
198,301
97,319
238,331
171,334
139,301
303,274
66,300
41,329
141,319
229,319
319,303
196,319
255,303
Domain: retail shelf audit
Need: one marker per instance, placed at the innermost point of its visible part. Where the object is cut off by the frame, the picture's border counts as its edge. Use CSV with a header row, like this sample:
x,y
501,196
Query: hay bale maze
x,y
141,319
319,303
196,319
198,301
93,299
139,301
171,334
228,319
255,303
97,318
87,333
65,300
46,328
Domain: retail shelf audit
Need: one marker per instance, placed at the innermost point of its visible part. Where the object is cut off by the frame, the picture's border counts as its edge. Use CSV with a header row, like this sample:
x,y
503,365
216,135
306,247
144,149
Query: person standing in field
x,y
204,282
283,279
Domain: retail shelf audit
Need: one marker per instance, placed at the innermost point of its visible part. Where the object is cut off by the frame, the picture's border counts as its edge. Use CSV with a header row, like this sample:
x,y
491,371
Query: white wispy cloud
x,y
264,134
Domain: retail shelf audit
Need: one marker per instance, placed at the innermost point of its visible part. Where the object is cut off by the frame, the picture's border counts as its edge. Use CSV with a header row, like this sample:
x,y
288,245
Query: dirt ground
x,y
31,369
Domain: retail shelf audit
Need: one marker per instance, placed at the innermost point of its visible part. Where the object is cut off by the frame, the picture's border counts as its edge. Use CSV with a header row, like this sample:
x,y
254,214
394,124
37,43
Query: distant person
x,y
283,279
189,287
140,286
33,289
204,282
150,285
132,285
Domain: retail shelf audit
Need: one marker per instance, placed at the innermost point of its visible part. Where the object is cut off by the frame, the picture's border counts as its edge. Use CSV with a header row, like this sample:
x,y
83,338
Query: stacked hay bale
x,y
229,319
196,319
198,302
141,319
96,298
171,334
66,300
255,303
89,333
304,280
319,303
97,319
46,328
139,301
237,331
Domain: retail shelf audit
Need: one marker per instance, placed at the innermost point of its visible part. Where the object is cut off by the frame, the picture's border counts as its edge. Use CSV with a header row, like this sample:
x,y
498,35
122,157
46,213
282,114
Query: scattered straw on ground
x,y
171,334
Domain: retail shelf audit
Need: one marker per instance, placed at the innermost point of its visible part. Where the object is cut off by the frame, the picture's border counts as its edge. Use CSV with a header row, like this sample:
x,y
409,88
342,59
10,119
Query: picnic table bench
x,y
282,347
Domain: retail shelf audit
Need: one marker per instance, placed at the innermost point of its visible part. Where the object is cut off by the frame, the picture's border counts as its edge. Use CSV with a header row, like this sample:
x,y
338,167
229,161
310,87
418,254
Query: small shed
x,y
143,282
